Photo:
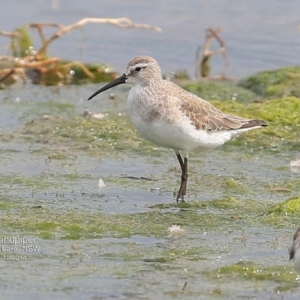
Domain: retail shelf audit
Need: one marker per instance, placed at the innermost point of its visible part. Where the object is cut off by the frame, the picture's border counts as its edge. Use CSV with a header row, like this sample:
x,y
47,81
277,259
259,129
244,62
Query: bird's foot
x,y
180,198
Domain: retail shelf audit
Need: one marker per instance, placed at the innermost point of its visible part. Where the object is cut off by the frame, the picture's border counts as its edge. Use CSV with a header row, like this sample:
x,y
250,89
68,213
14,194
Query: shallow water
x,y
113,242
259,35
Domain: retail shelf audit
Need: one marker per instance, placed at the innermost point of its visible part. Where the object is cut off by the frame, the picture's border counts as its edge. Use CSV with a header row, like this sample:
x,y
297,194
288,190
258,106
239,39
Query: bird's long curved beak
x,y
119,80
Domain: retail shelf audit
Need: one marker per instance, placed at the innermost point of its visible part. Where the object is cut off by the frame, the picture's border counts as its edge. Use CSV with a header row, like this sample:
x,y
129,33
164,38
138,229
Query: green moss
x,y
115,132
46,110
282,117
60,73
74,224
54,107
230,184
68,72
73,176
283,278
59,155
220,91
21,43
285,186
35,182
291,206
250,271
4,205
101,73
224,203
182,75
278,111
112,133
275,83
231,209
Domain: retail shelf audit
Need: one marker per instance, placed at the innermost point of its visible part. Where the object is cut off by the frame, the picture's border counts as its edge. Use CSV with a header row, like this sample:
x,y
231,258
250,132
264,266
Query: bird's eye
x,y
138,69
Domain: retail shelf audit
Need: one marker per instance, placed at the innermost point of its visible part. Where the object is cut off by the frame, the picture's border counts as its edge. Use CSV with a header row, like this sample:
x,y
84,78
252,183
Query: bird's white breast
x,y
164,124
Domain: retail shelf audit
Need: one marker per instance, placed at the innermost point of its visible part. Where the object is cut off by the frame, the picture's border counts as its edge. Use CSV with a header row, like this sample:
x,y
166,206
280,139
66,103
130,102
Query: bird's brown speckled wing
x,y
205,116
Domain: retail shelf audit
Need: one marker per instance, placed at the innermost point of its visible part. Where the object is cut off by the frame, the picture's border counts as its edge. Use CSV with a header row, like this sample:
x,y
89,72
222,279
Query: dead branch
x,y
13,73
38,60
202,66
119,22
42,63
7,58
82,66
39,27
42,66
10,34
6,73
35,25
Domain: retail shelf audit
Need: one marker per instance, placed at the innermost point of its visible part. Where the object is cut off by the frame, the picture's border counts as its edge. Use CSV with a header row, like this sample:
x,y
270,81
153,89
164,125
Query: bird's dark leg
x,y
184,176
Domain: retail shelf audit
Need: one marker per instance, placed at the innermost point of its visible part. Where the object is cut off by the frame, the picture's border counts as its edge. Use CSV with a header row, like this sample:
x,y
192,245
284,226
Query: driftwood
x,y
10,34
38,61
123,23
202,65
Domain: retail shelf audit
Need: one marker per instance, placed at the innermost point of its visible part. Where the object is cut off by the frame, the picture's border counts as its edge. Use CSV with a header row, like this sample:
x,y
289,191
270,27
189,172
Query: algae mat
x,y
87,205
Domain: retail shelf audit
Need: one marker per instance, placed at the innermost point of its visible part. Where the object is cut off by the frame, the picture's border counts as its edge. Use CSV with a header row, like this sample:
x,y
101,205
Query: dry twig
x,y
10,34
119,22
203,61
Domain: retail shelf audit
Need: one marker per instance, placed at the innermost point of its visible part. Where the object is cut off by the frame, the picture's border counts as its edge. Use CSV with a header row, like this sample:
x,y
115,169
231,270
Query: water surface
x,y
259,35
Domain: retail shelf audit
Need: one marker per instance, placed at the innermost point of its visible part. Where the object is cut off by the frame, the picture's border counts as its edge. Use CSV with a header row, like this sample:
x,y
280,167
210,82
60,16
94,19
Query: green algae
x,y
250,271
116,133
220,91
181,75
278,111
285,186
57,155
45,111
275,83
104,234
185,255
7,204
74,224
285,214
195,216
281,115
289,206
76,74
171,255
49,71
224,203
251,212
21,43
35,182
52,107
46,70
